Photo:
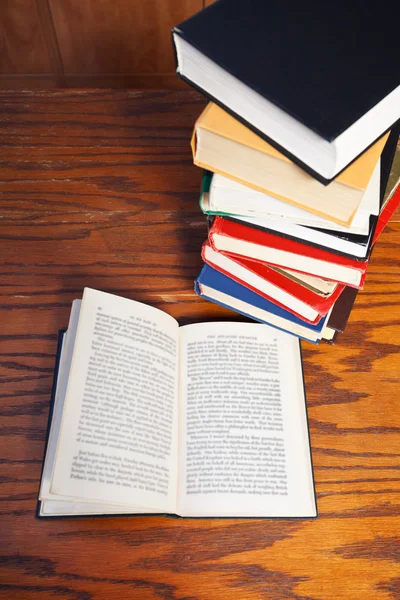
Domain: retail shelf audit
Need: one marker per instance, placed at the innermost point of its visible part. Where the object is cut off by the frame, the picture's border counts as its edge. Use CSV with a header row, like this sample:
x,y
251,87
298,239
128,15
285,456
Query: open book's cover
x,y
305,57
218,281
320,303
240,231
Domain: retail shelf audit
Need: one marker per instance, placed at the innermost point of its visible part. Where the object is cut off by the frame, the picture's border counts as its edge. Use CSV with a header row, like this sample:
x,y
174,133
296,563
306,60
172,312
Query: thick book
x,y
224,195
220,192
352,247
276,286
196,421
247,242
319,82
318,285
225,291
224,146
349,244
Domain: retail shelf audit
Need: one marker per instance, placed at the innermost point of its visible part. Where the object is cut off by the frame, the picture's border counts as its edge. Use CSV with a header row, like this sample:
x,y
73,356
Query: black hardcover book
x,y
196,421
319,81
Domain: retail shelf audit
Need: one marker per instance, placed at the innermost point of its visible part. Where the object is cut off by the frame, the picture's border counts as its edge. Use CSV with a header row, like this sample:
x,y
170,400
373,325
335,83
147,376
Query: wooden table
x,y
97,189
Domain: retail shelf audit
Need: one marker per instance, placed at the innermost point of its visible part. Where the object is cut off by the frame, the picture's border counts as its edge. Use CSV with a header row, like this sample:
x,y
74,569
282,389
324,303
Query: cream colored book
x,y
223,145
230,197
204,420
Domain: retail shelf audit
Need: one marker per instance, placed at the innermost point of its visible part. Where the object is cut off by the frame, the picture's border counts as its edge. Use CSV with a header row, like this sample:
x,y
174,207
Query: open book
x,y
202,420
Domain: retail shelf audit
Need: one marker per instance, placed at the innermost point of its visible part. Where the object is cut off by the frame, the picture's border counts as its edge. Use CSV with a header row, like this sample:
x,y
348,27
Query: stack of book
x,y
297,145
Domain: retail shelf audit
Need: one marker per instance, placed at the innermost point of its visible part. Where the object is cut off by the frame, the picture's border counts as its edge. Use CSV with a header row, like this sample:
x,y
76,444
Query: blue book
x,y
218,288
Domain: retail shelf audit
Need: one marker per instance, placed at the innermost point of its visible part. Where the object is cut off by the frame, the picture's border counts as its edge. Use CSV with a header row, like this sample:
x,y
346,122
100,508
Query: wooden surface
x,y
97,189
91,43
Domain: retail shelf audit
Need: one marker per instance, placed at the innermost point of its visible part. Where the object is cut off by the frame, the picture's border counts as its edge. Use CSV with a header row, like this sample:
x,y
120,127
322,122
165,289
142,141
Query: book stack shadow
x,y
299,157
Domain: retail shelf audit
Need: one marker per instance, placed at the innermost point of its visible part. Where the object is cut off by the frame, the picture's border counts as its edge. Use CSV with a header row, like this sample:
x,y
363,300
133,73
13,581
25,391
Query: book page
x,y
54,504
55,508
243,439
118,437
68,342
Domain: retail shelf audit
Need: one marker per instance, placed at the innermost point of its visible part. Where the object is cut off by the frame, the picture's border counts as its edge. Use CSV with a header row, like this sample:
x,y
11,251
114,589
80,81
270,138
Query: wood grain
x,y
99,36
97,188
141,81
22,44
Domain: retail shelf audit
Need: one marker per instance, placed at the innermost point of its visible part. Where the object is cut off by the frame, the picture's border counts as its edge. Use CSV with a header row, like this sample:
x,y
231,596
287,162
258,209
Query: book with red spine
x,y
273,285
386,214
254,244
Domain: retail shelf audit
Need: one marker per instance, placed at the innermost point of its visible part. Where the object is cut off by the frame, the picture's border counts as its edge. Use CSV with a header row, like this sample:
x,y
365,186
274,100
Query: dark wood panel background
x,y
90,43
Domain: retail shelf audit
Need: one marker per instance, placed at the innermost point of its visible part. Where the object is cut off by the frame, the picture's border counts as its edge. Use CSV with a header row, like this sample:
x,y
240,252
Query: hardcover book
x,y
287,221
196,421
223,145
250,243
225,291
224,195
353,245
320,83
274,285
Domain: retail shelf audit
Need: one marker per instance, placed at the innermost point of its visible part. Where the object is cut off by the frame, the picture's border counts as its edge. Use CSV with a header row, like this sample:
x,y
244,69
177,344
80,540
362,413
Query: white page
x,y
243,440
52,508
61,388
54,504
118,439
229,196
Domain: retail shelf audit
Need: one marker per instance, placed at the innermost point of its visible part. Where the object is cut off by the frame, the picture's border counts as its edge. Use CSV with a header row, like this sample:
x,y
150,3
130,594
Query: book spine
x,y
386,215
258,237
254,318
259,292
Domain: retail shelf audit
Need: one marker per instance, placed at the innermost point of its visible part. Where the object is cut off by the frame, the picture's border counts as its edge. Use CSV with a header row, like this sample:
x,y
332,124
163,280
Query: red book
x,y
247,242
284,291
386,214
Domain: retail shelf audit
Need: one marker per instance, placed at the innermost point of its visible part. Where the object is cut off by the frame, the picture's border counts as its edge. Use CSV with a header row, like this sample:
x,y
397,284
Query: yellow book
x,y
223,145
